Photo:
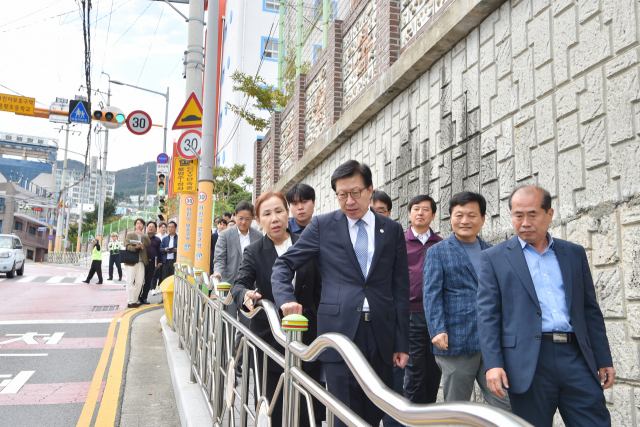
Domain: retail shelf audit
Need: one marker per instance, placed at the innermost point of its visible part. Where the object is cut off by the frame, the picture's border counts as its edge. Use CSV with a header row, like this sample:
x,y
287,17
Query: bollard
x,y
294,325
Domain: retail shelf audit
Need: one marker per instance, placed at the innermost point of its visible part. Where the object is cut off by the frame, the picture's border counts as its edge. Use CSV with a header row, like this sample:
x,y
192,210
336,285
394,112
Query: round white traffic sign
x,y
139,122
189,201
190,143
202,197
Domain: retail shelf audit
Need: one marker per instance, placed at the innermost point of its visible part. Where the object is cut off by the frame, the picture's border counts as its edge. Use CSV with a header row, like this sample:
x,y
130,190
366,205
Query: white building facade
x,y
249,45
91,184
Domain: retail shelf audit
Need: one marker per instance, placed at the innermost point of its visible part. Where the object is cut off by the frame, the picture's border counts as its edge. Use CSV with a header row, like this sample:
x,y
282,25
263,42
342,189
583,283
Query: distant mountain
x,y
131,181
71,164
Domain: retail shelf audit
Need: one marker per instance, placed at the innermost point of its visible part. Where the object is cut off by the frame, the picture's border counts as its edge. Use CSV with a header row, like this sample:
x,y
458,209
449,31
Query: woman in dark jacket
x,y
255,275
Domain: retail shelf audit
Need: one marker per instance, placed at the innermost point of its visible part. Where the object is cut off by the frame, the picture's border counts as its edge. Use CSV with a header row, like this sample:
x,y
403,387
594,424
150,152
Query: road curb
x,y
191,405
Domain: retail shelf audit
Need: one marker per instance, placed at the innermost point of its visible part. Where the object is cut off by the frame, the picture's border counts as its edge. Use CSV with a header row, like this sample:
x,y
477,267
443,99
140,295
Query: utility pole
x,y
205,172
63,195
66,228
103,172
81,213
146,181
194,55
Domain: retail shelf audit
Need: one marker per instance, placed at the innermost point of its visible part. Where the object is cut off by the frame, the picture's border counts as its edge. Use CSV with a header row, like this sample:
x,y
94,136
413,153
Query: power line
x,y
134,23
150,46
33,13
106,43
19,94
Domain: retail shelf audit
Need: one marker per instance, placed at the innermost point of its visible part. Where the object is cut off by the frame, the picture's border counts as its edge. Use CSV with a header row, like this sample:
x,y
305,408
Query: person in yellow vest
x,y
96,263
114,256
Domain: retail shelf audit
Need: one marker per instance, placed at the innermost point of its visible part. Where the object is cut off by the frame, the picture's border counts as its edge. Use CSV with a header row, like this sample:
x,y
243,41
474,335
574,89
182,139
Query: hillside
x,y
130,181
71,164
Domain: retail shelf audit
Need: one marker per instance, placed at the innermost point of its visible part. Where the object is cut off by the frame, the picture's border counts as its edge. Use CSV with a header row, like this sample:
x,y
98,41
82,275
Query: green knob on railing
x,y
198,271
223,287
295,322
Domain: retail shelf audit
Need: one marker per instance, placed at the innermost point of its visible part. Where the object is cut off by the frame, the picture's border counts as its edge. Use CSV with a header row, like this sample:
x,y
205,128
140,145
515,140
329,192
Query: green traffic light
x,y
120,118
160,192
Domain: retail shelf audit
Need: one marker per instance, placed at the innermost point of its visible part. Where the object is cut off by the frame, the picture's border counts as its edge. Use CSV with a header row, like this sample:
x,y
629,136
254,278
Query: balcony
x,y
32,240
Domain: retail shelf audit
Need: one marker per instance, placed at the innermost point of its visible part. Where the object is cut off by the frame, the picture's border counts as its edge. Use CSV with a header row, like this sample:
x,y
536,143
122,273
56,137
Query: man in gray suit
x,y
231,244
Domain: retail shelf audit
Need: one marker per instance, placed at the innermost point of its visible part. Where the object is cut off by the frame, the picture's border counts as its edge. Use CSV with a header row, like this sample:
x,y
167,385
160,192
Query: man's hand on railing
x,y
249,298
400,359
215,276
291,308
496,377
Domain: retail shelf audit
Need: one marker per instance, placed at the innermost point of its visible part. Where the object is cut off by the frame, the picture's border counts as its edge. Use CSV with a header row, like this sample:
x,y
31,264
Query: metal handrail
x,y
206,331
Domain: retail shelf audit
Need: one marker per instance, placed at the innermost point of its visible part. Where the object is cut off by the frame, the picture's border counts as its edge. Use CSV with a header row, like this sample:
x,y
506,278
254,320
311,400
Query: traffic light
x,y
162,209
111,117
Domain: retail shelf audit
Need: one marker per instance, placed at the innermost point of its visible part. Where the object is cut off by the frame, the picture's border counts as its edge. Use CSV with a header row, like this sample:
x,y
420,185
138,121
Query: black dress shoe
x,y
110,278
99,283
134,305
143,301
85,281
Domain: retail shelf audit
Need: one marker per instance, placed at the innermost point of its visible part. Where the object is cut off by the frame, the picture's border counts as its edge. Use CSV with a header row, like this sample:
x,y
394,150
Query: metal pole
x,y
325,22
146,181
66,228
299,49
205,165
166,114
81,212
194,54
64,184
103,173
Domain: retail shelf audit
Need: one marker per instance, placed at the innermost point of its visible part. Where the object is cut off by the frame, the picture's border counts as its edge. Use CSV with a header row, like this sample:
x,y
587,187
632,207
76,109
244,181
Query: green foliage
x,y
265,97
130,181
226,191
90,219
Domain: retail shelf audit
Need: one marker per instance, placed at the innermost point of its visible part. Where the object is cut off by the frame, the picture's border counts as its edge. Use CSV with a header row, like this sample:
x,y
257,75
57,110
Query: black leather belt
x,y
366,316
560,337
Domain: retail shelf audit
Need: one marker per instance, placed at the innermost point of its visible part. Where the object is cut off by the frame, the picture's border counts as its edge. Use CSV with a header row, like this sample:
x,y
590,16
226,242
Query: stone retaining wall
x,y
493,95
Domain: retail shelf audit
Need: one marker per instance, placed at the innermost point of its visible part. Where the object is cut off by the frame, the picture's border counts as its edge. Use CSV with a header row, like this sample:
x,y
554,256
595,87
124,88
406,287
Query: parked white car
x,y
12,257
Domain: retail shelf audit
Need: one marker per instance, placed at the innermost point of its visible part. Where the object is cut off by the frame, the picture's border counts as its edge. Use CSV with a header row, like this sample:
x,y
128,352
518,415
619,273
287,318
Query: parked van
x,y
11,255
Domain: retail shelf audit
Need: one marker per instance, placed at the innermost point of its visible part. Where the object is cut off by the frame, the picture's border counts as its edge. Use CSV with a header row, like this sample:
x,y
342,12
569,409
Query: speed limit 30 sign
x,y
139,122
190,143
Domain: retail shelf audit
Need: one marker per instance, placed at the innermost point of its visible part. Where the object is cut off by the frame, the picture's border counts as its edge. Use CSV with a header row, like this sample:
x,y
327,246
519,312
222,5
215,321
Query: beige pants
x,y
135,279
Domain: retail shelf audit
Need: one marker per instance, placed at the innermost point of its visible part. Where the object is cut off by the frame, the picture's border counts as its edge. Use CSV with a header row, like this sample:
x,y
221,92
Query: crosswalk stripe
x,y
55,279
27,279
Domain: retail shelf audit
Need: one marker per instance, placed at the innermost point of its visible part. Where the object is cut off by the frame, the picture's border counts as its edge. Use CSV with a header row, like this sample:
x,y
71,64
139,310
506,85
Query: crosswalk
x,y
75,279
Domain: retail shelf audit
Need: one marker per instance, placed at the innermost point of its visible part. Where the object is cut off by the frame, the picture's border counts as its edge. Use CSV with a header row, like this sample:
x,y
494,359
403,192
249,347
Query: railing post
x,y
179,277
294,325
199,305
222,290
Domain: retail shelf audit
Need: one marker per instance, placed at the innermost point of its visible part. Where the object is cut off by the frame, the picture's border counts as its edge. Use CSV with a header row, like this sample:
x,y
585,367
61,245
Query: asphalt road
x,y
62,348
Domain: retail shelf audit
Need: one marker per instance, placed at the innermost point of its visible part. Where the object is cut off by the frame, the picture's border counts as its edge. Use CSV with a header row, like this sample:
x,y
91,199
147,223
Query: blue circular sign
x,y
163,158
50,237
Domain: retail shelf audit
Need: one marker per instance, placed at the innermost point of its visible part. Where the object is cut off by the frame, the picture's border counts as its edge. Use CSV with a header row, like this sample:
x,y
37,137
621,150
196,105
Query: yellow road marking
x,y
94,388
110,397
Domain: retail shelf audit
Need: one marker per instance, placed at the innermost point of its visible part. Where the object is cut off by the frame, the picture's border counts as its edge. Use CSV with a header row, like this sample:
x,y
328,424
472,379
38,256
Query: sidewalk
x,y
148,399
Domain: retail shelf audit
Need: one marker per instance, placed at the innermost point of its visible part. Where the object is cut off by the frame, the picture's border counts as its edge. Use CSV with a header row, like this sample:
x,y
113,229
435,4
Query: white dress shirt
x,y
284,247
244,241
422,237
369,223
171,254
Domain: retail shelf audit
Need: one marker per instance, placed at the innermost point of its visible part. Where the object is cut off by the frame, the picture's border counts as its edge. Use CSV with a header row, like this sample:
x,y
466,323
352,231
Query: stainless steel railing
x,y
206,332
72,258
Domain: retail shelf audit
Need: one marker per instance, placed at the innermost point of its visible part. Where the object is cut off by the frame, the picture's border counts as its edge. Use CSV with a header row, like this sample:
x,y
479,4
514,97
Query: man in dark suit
x,y
169,249
362,258
450,285
542,333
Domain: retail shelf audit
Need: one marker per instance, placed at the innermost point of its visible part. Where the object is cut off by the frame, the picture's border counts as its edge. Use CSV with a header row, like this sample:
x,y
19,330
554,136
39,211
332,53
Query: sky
x,y
138,42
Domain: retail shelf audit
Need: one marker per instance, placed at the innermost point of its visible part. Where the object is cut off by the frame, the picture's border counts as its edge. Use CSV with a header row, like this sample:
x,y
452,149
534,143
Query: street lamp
x,y
166,112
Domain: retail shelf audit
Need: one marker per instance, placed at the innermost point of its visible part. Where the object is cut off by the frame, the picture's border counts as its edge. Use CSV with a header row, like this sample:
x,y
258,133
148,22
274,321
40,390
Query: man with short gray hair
x,y
541,330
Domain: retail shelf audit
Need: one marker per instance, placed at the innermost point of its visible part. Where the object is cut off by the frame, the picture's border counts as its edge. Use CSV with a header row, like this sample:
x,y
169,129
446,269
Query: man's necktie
x,y
362,247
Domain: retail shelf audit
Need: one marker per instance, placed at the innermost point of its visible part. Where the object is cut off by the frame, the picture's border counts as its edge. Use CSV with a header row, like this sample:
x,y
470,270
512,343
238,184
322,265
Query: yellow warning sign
x,y
184,175
17,104
191,115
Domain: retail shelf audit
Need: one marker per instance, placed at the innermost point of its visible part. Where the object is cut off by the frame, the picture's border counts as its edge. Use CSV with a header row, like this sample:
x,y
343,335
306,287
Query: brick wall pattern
x,y
544,92
416,13
359,56
315,108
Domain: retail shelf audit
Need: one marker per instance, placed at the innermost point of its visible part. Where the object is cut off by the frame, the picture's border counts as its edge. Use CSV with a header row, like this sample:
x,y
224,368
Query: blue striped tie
x,y
362,247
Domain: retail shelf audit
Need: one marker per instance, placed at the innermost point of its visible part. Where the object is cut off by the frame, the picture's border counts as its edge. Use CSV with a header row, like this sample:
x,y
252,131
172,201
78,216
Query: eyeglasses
x,y
382,211
343,195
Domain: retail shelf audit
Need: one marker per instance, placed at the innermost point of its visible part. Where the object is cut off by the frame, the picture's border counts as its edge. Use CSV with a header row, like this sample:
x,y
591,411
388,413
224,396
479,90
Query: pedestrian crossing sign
x,y
78,112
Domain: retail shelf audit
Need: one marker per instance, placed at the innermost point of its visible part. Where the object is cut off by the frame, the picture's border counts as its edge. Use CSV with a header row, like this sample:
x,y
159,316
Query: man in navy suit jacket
x,y
542,333
362,258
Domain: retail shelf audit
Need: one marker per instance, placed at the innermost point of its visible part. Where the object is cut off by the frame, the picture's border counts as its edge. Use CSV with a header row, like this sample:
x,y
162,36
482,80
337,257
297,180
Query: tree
x,y
264,96
226,192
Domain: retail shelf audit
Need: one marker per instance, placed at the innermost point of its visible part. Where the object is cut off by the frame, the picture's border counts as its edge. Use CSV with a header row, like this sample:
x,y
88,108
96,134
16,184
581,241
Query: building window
x,y
226,105
222,77
30,254
228,62
18,226
230,17
271,6
32,231
269,49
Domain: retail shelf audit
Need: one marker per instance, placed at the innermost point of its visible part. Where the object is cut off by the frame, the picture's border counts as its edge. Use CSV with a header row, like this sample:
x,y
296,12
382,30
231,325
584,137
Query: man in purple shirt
x,y
153,250
422,374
